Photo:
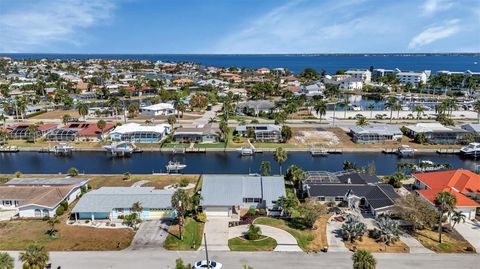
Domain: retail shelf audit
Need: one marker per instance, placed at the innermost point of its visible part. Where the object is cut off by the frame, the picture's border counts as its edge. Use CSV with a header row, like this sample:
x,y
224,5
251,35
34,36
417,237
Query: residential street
x,y
153,258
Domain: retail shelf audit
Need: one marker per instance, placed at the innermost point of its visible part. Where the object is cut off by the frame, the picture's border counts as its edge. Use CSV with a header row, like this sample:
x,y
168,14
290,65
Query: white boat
x,y
119,149
356,108
473,149
405,151
246,151
62,149
174,166
9,149
322,152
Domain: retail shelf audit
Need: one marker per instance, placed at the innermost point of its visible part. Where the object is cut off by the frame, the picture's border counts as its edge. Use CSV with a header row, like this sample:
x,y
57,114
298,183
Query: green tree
x,y
179,264
6,261
363,259
309,74
101,124
420,138
457,217
254,232
82,110
353,228
3,118
391,104
348,165
223,126
137,208
72,172
287,204
286,133
362,121
444,202
320,108
389,230
311,211
32,130
280,157
419,110
34,257
52,222
265,168
66,118
171,120
181,203
371,107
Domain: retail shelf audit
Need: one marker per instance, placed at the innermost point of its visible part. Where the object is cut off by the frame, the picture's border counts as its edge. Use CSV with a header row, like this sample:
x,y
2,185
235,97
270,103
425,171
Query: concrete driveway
x,y
285,241
334,237
151,234
471,232
216,230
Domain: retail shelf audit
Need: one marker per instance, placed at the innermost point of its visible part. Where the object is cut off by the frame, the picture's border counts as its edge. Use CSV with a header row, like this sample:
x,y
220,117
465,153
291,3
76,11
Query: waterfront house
x,y
473,128
135,132
20,131
312,89
79,131
158,109
360,192
436,133
375,134
113,203
201,134
345,82
263,132
225,195
39,197
256,106
463,184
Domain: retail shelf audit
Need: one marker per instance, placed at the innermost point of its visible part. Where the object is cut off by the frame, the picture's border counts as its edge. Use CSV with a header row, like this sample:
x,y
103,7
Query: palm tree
x,y
457,217
3,136
52,222
66,118
280,157
444,202
362,121
476,108
137,208
101,124
6,261
34,257
419,110
32,130
391,104
363,259
321,108
254,232
82,110
3,118
371,107
265,168
344,104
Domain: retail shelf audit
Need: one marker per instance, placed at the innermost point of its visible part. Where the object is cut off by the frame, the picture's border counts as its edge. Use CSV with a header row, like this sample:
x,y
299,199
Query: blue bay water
x,y
295,62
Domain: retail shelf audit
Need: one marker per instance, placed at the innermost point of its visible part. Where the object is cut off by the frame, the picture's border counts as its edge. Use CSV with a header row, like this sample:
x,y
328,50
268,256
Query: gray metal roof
x,y
472,127
107,198
376,129
47,181
229,190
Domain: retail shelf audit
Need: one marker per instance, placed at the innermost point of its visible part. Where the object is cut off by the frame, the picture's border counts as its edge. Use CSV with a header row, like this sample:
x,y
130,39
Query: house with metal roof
x,y
360,192
436,133
112,203
472,128
135,132
463,184
201,134
263,132
225,195
373,134
158,109
39,197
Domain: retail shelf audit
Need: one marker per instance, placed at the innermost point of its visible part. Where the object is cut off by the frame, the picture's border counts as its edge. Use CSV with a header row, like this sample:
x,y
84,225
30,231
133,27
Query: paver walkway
x,y
471,232
285,241
216,230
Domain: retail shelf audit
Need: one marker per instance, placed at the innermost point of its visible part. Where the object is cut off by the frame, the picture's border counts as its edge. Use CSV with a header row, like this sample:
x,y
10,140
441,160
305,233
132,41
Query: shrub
x,y
254,232
202,217
374,233
252,211
60,210
262,211
72,171
184,182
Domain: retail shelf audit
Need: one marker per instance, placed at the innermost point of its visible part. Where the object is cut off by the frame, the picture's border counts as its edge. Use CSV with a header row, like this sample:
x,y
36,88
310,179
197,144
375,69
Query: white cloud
x,y
42,25
434,33
433,6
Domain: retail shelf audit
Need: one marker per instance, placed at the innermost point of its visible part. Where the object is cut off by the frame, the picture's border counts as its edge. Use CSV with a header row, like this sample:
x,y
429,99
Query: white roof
x,y
428,127
135,127
160,106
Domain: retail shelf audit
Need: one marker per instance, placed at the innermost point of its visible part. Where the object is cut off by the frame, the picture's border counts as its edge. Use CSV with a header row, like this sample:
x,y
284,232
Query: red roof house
x,y
461,183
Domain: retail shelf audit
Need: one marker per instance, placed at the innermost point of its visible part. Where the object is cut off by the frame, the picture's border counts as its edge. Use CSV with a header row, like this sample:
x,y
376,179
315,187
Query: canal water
x,y
212,162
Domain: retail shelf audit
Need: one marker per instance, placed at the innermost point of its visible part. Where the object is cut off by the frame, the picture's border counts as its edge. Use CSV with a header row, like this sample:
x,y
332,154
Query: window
x,y
252,200
7,203
38,213
321,198
338,198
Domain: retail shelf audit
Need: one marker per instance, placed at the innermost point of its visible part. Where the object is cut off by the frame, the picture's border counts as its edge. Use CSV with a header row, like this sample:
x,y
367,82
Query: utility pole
x,y
206,250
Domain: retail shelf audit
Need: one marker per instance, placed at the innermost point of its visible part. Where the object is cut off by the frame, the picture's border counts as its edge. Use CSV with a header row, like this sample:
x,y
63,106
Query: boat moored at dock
x,y
473,149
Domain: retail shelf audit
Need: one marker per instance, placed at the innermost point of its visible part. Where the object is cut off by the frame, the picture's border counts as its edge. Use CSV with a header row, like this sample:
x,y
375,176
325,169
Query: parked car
x,y
203,264
358,116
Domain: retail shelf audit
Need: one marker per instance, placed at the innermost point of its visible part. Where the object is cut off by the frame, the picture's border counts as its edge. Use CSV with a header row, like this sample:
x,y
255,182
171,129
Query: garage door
x,y
217,211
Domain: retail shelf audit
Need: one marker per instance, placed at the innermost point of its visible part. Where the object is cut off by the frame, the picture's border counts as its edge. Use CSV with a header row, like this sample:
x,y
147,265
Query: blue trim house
x,y
112,203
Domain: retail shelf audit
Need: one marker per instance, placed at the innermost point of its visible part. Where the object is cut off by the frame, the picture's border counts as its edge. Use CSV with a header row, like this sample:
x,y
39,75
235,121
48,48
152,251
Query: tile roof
x,y
462,200
462,180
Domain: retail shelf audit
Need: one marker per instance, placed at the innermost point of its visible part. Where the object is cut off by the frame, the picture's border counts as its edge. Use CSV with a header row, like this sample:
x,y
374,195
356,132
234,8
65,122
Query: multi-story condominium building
x,y
364,75
413,77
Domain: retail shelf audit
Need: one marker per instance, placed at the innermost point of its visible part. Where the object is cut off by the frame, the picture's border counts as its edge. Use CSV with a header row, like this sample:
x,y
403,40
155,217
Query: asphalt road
x,y
156,258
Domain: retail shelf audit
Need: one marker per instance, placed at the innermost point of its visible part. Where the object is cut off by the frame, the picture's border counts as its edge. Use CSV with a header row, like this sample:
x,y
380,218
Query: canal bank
x,y
148,162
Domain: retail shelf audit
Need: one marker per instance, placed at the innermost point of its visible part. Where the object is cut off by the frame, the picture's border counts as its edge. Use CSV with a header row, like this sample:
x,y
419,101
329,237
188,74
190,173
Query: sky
x,y
239,26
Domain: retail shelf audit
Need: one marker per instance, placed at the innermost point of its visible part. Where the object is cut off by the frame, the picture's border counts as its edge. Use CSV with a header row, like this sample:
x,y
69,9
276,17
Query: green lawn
x,y
192,236
304,236
275,145
210,145
241,244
